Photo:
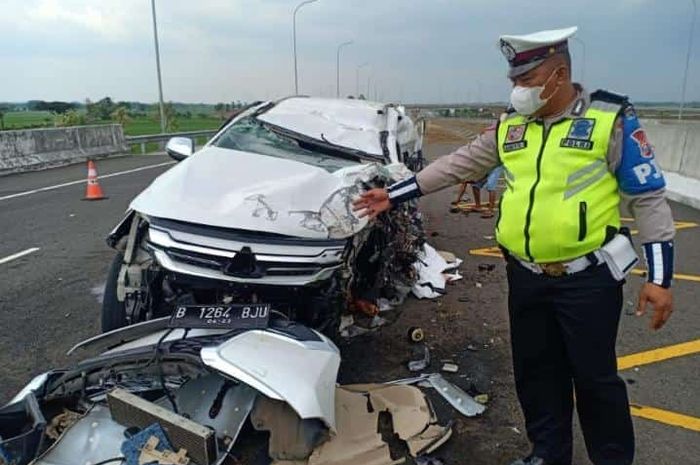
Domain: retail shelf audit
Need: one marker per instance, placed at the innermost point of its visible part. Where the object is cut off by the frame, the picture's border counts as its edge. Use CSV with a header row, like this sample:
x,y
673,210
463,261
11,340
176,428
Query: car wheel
x,y
113,311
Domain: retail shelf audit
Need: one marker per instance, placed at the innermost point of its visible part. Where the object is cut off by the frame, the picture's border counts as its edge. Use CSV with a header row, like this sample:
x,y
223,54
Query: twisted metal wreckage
x,y
166,385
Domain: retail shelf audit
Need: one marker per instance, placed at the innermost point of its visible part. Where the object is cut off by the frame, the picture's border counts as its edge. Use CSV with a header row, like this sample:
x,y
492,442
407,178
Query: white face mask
x,y
527,100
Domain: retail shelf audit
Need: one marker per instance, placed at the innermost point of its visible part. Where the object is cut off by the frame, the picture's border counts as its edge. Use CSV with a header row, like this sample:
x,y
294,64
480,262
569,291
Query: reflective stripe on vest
x,y
560,199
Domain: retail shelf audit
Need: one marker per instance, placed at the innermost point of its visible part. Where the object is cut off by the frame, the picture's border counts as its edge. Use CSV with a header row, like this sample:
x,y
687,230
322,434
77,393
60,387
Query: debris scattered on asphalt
x,y
450,368
422,363
415,334
478,285
472,348
486,267
453,394
482,398
449,257
452,277
430,268
459,399
489,238
377,322
426,460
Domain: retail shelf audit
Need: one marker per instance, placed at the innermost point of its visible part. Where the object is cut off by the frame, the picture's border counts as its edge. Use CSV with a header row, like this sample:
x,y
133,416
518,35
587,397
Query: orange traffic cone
x,y
93,191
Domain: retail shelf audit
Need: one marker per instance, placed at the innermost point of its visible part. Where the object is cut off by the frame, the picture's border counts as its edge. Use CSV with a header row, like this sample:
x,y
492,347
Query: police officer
x,y
570,157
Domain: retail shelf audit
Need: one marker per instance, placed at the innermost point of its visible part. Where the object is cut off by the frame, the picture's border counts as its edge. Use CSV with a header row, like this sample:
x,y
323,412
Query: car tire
x,y
113,311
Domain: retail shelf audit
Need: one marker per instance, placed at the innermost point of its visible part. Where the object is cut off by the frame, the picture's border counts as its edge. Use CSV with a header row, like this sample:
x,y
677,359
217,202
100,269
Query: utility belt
x,y
618,254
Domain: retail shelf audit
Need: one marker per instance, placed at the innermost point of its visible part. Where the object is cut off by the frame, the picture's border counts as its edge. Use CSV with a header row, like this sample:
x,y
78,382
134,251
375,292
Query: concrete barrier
x,y
668,139
34,149
677,148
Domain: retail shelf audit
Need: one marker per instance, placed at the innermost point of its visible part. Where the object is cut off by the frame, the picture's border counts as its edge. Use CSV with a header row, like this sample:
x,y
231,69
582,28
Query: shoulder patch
x,y
610,97
638,171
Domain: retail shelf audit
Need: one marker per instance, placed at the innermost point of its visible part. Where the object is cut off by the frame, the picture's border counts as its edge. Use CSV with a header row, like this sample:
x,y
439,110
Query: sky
x,y
417,51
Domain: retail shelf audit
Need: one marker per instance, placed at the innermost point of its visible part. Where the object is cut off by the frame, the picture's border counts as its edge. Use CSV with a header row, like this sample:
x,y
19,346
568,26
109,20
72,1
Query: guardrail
x,y
163,138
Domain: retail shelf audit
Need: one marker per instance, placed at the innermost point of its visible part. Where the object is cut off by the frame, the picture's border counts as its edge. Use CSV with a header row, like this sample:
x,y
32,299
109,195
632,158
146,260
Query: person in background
x,y
491,184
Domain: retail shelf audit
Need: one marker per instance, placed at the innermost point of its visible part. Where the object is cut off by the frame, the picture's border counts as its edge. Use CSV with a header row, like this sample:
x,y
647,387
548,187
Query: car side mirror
x,y
180,148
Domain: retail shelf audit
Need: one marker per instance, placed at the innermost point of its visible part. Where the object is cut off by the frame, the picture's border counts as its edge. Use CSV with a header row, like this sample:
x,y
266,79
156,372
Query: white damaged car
x,y
261,215
176,392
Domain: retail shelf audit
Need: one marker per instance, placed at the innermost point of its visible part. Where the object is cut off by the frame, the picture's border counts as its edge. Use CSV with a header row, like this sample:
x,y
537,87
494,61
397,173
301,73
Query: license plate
x,y
246,316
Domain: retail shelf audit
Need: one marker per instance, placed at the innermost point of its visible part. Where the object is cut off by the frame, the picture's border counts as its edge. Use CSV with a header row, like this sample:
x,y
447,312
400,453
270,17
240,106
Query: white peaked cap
x,y
525,52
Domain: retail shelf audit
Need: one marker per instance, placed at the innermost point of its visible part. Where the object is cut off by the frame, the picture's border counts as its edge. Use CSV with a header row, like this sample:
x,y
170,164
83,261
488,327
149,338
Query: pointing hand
x,y
372,203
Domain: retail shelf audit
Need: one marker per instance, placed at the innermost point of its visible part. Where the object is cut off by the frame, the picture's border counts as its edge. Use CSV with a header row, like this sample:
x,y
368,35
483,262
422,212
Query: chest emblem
x,y
580,133
515,138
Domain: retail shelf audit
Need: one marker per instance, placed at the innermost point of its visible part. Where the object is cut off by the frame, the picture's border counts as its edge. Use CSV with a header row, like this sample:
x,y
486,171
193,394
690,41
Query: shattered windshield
x,y
252,135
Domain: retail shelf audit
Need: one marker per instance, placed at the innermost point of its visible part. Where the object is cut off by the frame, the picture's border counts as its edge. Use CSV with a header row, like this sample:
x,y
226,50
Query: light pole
x,y
583,48
687,60
369,79
337,67
294,33
357,79
160,81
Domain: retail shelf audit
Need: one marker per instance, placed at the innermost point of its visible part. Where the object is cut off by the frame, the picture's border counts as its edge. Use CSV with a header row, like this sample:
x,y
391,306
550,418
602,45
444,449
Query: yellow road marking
x,y
495,252
487,252
676,276
658,355
470,205
678,224
666,416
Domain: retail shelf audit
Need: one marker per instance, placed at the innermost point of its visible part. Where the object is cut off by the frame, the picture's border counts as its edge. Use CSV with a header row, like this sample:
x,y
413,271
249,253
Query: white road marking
x,y
18,255
72,183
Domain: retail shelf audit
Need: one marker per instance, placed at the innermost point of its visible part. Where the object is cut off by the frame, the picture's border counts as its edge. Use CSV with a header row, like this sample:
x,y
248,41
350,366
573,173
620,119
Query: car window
x,y
251,135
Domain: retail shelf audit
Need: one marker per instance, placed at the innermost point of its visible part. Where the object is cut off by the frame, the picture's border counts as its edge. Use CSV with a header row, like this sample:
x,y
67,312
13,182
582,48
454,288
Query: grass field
x,y
141,126
28,119
135,126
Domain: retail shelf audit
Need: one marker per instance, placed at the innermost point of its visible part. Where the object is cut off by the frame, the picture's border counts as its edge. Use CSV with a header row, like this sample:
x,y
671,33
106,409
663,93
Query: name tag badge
x,y
580,133
515,138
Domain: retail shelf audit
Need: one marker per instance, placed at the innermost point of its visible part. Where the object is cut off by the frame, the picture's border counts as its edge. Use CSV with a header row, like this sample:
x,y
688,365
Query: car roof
x,y
350,123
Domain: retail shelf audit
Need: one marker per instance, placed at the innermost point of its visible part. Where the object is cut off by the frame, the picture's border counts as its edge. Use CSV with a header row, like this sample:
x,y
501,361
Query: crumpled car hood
x,y
354,124
240,190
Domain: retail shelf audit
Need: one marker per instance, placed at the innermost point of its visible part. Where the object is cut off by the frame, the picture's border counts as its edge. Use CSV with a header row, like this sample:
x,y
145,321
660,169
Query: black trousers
x,y
563,333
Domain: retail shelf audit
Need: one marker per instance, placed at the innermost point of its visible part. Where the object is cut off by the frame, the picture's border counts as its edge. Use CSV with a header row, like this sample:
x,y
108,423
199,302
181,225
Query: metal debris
x,y
415,334
460,400
421,364
450,368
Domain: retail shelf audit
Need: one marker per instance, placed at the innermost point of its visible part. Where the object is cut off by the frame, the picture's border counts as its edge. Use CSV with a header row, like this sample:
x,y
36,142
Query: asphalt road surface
x,y
53,262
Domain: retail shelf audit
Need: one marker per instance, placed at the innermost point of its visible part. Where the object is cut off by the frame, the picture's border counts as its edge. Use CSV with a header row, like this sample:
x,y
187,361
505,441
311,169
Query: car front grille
x,y
243,256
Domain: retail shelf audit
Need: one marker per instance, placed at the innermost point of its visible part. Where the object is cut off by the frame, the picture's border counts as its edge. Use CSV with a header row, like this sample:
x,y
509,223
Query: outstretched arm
x,y
470,162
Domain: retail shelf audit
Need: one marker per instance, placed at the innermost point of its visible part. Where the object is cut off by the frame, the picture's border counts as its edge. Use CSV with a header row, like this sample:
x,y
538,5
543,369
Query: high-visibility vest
x,y
561,201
